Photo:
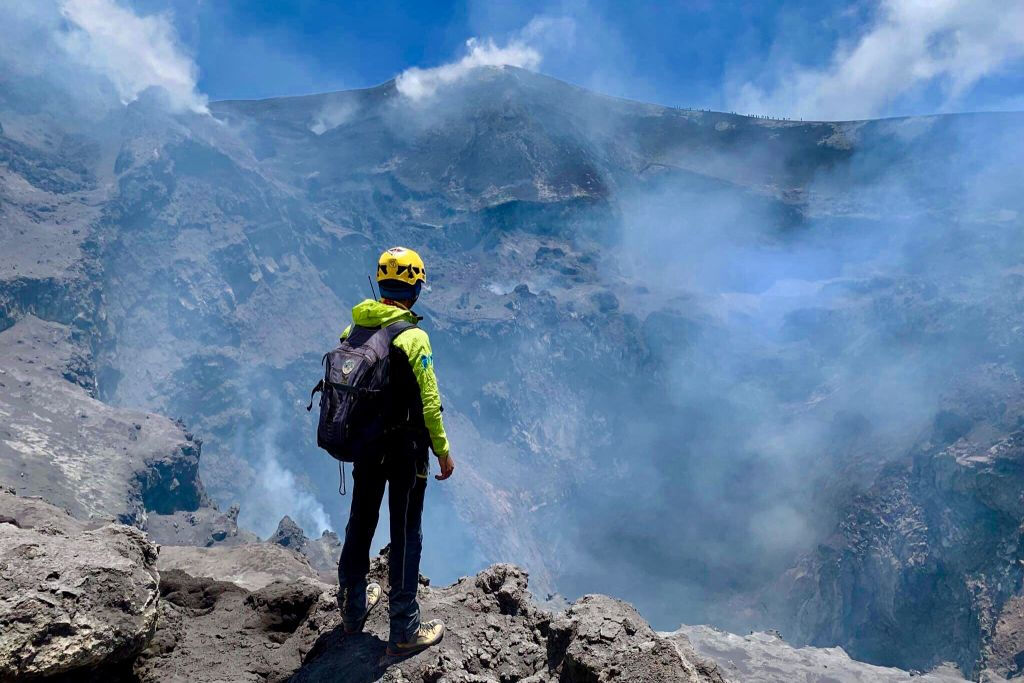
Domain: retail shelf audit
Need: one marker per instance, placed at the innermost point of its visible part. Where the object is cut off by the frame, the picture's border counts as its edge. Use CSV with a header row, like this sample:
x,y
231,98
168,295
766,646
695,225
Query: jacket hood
x,y
370,313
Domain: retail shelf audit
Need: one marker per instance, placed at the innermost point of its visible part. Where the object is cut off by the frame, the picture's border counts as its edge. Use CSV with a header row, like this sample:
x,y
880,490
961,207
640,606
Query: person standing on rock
x,y
412,424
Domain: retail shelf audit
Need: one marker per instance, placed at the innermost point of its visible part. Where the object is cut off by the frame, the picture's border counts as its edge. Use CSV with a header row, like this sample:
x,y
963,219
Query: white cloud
x,y
134,52
417,83
913,44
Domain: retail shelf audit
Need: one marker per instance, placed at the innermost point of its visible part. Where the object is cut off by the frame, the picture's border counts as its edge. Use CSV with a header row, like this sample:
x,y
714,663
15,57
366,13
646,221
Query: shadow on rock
x,y
359,658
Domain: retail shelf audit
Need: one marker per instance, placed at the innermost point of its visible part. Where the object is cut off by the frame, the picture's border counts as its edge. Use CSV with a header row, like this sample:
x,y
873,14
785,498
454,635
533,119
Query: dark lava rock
x,y
289,534
925,566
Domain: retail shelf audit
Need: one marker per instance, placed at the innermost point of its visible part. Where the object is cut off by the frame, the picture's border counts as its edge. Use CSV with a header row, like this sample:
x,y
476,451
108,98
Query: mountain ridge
x,y
390,85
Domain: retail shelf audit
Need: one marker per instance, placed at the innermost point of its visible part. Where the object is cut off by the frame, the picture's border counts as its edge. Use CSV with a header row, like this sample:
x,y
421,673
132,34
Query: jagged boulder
x,y
289,535
322,553
72,599
606,640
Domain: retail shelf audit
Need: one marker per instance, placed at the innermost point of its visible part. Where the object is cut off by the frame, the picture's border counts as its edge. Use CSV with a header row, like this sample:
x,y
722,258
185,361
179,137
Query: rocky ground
x,y
90,602
100,601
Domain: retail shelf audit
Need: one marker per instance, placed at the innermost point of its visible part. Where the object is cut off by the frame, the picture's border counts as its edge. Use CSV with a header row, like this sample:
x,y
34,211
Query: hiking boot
x,y
428,634
373,593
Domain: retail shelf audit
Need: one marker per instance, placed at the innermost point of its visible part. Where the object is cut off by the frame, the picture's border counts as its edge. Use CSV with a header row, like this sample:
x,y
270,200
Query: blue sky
x,y
772,57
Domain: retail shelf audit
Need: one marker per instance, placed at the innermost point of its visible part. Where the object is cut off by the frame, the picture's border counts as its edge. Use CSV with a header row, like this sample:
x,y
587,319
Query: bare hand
x,y
447,464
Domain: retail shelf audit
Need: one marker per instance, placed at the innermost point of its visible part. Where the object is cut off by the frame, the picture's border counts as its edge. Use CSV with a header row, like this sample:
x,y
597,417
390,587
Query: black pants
x,y
404,469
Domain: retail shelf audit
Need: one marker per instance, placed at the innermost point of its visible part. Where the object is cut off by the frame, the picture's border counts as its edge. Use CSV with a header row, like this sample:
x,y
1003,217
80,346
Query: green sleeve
x,y
416,345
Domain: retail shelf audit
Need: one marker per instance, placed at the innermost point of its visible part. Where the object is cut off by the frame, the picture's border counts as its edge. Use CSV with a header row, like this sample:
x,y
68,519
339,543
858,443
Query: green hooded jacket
x,y
415,344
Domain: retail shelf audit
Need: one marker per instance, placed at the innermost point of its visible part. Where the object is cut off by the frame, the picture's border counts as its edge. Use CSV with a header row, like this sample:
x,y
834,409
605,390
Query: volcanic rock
x,y
72,599
496,633
251,566
60,443
204,527
764,657
323,553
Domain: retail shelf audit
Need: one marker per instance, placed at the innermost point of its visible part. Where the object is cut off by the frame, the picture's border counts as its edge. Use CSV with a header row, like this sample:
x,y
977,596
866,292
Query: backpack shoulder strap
x,y
397,328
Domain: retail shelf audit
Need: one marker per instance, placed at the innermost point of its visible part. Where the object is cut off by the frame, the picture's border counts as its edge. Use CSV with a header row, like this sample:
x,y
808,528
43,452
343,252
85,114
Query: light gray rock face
x,y
203,527
72,600
50,200
251,566
607,640
59,442
765,657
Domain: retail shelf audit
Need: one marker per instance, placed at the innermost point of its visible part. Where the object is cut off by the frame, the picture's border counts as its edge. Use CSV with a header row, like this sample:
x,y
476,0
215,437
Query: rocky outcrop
x,y
764,657
80,602
60,443
204,527
213,630
289,535
323,553
73,600
607,640
496,633
251,566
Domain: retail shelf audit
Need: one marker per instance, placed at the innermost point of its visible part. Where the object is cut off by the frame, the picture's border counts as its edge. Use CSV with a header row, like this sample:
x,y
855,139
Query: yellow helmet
x,y
399,263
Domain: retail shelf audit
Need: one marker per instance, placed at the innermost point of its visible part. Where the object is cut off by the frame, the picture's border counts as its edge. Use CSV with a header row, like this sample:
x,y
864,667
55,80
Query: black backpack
x,y
355,400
